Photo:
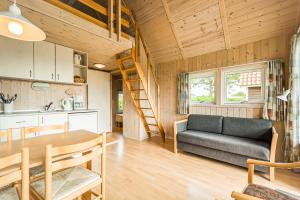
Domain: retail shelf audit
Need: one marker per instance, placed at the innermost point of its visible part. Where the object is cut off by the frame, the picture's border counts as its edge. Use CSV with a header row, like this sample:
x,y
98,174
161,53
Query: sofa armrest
x,y
240,196
178,126
273,152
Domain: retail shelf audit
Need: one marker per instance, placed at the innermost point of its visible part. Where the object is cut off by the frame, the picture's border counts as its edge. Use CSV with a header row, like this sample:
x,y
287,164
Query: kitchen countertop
x,y
32,112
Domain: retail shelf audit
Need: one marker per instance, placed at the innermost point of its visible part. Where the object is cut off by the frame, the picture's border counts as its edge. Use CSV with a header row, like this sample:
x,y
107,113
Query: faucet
x,y
48,106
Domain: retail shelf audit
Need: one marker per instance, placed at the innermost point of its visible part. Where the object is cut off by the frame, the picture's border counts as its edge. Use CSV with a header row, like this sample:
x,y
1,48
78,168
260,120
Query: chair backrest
x,y
14,168
62,157
6,133
29,130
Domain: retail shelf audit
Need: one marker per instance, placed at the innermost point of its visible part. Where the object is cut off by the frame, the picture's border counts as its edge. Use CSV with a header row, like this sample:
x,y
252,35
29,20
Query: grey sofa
x,y
228,139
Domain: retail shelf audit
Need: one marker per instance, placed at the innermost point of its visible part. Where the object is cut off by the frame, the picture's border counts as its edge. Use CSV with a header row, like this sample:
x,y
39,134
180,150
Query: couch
x,y
228,139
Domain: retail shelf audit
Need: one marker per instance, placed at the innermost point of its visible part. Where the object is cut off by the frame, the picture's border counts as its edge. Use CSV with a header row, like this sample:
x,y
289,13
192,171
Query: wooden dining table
x,y
37,145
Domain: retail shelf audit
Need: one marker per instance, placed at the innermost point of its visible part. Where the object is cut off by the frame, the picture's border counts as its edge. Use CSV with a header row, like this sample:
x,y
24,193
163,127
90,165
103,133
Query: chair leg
x,y
272,173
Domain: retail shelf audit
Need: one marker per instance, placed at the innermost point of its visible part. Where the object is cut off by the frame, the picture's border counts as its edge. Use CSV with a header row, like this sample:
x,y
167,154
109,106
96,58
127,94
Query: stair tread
x,y
130,69
153,124
125,58
133,80
142,99
145,108
148,116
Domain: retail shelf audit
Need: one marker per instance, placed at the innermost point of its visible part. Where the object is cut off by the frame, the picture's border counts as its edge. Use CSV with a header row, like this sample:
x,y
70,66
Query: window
x,y
202,88
243,85
120,102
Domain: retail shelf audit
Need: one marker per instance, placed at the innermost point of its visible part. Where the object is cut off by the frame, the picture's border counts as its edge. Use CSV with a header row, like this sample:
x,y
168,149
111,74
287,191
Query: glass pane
x,y
243,87
120,102
203,89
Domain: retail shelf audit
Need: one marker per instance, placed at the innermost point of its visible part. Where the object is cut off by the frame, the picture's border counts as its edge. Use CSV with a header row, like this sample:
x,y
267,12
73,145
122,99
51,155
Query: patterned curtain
x,y
273,107
292,129
183,94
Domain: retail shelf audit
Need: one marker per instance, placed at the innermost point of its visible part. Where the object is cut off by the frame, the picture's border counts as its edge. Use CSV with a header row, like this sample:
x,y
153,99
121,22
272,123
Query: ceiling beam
x,y
223,14
168,14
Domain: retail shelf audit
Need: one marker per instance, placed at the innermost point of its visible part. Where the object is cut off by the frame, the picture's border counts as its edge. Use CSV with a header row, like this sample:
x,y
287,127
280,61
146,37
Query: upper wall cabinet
x,y
64,64
16,58
44,61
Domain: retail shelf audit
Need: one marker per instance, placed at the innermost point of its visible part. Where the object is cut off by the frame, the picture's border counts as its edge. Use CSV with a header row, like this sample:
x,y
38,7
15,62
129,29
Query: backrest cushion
x,y
248,128
206,123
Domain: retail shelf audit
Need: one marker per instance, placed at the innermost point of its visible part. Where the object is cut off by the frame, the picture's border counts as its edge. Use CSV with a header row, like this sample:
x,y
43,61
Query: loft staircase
x,y
142,84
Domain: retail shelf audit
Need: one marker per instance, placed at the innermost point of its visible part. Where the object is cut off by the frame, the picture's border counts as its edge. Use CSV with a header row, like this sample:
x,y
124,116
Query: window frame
x,y
203,74
243,68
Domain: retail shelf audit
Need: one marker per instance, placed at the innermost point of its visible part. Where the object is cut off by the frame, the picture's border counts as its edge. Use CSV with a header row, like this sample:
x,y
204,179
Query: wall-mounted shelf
x,y
80,66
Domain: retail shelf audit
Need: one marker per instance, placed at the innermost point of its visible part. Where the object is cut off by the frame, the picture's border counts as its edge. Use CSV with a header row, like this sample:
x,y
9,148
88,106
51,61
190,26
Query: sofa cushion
x,y
248,128
243,146
206,123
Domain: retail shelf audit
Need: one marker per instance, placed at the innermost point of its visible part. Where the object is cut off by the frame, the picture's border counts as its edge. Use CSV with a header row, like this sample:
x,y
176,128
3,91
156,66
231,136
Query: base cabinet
x,y
52,119
83,121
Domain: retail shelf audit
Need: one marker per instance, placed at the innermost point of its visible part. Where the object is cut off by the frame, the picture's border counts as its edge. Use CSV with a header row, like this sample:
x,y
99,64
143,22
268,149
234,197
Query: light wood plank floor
x,y
148,170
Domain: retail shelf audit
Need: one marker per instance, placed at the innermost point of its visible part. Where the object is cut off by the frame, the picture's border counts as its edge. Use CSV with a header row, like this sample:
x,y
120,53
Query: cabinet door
x,y
16,122
16,58
64,64
84,121
44,61
52,119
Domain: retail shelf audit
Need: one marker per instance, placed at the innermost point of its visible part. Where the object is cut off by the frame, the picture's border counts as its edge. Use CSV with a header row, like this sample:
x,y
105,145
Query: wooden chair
x,y
13,169
6,133
30,130
65,178
258,192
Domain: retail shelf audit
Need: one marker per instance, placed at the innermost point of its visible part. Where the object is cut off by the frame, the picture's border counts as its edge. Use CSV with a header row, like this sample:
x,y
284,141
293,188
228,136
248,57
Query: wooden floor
x,y
148,170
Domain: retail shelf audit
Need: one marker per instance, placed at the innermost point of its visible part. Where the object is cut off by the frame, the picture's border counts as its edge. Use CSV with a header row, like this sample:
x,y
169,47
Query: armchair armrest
x,y
240,196
178,126
273,152
251,164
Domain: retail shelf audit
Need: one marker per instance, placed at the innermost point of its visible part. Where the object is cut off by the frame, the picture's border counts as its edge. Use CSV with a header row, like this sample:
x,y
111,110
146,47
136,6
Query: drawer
x,y
18,121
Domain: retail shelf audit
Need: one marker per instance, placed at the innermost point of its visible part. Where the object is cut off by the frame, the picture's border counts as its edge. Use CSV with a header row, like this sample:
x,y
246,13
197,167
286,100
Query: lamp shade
x,y
284,95
14,25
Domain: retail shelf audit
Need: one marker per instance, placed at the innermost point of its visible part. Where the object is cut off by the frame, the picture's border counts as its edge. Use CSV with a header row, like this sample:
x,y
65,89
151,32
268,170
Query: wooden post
x,y
250,173
25,174
118,19
110,19
48,173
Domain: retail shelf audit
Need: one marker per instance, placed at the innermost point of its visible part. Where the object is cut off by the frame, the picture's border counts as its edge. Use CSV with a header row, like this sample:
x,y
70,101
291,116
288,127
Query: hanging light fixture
x,y
14,25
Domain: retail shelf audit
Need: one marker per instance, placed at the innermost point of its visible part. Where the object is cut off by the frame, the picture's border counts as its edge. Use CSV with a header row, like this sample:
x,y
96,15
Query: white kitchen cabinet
x,y
85,121
16,58
64,64
49,119
16,122
44,61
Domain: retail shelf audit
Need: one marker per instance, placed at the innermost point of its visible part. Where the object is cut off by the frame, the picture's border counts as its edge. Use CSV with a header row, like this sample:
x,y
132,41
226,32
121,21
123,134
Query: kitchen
x,y
47,89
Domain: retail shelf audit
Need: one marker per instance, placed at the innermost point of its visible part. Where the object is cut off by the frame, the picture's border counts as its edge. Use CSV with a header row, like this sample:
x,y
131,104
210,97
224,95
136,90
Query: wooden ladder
x,y
138,88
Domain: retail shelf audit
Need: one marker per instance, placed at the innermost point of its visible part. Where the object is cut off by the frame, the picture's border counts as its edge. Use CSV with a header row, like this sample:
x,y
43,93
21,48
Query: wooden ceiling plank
x,y
223,14
169,17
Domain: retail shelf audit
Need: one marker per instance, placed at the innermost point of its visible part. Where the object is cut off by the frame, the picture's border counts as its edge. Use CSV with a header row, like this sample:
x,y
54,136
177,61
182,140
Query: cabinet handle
x,y
52,77
19,122
42,120
57,76
30,73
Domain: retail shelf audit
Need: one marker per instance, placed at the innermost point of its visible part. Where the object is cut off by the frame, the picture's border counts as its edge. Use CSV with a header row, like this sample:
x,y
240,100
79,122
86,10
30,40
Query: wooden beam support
x,y
223,14
168,14
118,19
110,18
298,18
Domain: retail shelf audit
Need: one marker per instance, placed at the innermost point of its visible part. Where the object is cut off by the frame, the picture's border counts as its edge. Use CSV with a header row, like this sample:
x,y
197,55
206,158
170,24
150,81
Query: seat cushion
x,y
66,182
37,171
267,193
248,128
9,193
206,123
243,146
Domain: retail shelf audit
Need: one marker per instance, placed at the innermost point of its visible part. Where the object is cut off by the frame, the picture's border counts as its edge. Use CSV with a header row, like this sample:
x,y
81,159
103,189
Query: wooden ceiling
x,y
184,28
64,28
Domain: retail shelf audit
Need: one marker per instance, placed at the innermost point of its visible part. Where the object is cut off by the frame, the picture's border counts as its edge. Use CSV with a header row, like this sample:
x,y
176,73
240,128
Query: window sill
x,y
230,105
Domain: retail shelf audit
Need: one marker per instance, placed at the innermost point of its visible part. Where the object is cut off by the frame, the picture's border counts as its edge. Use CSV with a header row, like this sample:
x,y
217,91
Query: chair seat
x,y
9,193
66,182
37,171
267,193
